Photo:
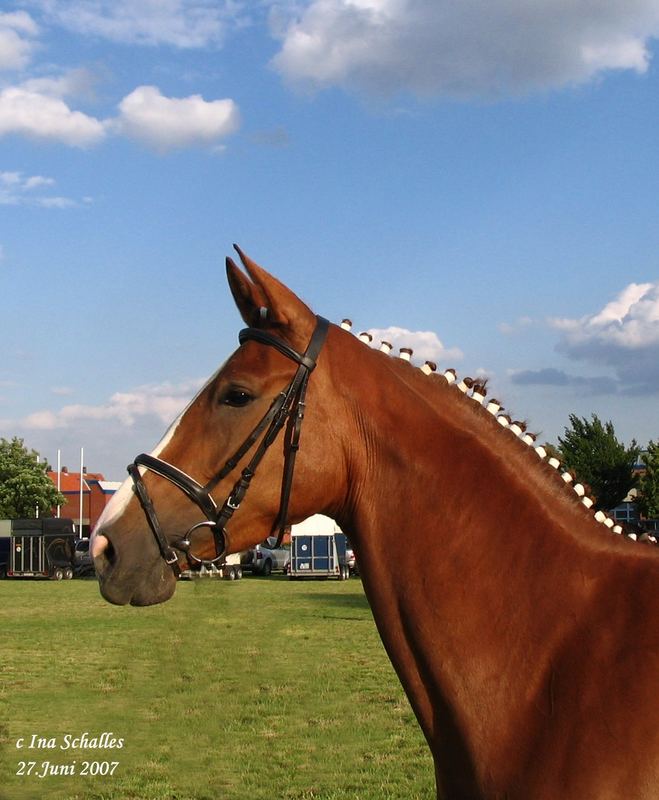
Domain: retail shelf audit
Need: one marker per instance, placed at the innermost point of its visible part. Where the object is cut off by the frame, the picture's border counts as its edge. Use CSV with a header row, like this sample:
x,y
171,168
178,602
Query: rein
x,y
287,409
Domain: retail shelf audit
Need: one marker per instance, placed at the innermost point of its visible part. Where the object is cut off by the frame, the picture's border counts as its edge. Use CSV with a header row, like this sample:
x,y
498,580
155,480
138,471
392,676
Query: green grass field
x,y
253,690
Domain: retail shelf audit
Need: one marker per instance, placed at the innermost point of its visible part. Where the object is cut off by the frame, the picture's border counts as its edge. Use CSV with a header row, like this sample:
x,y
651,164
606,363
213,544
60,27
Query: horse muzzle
x,y
121,584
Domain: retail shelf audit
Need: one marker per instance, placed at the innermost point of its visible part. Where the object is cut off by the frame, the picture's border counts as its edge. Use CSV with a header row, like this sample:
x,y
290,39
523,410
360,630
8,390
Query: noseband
x,y
288,406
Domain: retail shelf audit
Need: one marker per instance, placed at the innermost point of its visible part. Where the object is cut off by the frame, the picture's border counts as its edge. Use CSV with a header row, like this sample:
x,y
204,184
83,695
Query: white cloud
x,y
462,49
17,30
624,335
15,187
630,321
165,123
36,109
42,420
18,189
426,344
78,82
521,324
55,202
41,116
38,181
161,401
111,431
10,178
181,23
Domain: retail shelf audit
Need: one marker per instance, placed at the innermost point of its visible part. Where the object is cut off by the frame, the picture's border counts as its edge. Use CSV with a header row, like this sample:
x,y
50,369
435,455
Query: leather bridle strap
x,y
166,550
294,430
288,405
287,408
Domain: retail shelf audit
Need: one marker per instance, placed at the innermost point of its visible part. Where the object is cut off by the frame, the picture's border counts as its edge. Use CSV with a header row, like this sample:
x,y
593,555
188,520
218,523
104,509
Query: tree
x,y
592,451
24,484
648,487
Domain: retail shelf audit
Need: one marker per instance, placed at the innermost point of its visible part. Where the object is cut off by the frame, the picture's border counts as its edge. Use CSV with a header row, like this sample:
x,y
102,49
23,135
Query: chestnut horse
x,y
523,630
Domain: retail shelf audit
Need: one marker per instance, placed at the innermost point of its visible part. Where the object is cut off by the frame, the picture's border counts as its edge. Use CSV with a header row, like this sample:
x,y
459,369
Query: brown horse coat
x,y
522,630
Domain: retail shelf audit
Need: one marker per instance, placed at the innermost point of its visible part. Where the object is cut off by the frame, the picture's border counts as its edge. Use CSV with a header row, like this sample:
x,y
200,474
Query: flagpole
x,y
37,508
59,481
82,456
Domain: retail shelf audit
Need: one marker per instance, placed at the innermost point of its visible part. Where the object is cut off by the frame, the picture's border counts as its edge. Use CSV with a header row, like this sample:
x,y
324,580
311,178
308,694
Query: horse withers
x,y
519,623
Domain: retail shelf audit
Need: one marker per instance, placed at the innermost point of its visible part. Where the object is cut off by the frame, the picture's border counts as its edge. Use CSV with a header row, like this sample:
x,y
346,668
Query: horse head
x,y
242,430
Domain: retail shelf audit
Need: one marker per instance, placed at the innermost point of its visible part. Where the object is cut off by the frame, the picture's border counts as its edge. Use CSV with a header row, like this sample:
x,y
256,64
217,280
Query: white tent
x,y
316,525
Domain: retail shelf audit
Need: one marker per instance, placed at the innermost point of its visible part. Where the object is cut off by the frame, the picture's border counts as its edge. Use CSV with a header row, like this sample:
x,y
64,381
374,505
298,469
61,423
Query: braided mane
x,y
473,393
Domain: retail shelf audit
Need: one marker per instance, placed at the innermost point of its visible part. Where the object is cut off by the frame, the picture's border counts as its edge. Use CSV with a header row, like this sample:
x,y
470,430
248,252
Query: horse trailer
x,y
318,549
37,548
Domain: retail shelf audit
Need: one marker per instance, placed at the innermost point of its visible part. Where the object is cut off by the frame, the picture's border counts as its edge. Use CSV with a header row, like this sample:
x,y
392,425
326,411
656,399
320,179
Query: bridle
x,y
287,407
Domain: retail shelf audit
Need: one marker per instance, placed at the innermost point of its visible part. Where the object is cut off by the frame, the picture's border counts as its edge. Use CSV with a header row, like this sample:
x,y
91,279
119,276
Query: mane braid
x,y
474,391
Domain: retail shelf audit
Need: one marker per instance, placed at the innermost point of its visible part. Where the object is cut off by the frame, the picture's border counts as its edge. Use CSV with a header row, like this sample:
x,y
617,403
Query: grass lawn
x,y
256,689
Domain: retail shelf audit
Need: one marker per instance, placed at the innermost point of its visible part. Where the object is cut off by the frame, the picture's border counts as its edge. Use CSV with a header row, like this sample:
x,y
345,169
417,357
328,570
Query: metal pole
x,y
37,508
59,480
82,452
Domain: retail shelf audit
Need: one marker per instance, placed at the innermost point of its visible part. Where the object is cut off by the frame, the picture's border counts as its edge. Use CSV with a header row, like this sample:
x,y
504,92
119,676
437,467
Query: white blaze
x,y
117,505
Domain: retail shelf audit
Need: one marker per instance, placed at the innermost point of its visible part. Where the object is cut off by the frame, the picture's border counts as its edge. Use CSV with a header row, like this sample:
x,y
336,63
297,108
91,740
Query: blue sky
x,y
481,176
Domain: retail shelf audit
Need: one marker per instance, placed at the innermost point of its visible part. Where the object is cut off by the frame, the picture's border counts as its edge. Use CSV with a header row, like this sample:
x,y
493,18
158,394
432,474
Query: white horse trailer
x,y
318,549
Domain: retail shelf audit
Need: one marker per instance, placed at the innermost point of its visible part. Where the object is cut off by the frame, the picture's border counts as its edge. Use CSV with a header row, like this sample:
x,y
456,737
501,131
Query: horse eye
x,y
236,398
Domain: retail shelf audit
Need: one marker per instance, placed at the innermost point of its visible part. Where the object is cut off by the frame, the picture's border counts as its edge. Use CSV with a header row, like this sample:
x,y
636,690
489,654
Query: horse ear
x,y
247,295
264,302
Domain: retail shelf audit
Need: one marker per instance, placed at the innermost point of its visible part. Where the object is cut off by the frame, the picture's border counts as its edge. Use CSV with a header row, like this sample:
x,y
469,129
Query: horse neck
x,y
426,451
464,538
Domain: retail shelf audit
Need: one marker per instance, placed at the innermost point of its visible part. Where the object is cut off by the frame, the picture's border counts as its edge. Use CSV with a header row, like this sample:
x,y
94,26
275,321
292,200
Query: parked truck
x,y
37,548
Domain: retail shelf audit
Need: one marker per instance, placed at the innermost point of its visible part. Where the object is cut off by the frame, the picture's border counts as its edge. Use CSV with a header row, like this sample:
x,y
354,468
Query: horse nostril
x,y
103,554
110,552
102,550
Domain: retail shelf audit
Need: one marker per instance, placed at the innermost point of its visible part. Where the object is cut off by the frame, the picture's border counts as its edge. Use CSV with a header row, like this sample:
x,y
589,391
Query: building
x,y
96,494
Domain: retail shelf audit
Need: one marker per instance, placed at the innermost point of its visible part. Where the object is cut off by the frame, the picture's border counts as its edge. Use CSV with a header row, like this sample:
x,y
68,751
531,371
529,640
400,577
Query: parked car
x,y
83,564
265,557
